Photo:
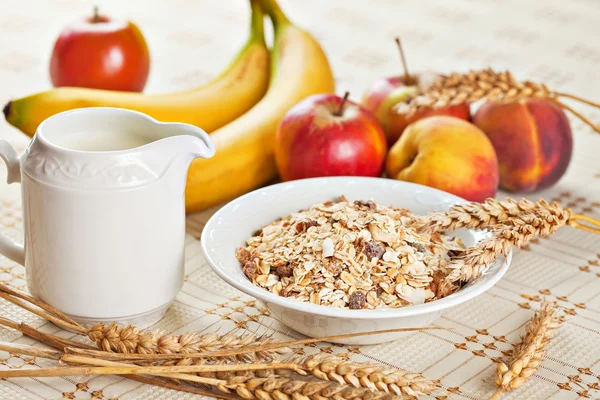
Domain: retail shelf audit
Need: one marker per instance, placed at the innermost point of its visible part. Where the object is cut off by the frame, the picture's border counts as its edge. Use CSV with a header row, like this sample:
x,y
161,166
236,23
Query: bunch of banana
x,y
243,84
244,158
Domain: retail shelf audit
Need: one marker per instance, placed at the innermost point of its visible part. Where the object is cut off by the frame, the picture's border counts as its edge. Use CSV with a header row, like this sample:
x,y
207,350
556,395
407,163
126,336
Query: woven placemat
x,y
552,41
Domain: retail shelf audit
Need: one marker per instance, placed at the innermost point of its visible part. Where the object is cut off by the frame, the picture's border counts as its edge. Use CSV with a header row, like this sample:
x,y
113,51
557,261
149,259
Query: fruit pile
x,y
282,117
521,140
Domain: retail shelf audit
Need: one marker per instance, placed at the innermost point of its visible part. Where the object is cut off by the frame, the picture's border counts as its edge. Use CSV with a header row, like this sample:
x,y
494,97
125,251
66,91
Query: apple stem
x,y
407,78
340,111
96,17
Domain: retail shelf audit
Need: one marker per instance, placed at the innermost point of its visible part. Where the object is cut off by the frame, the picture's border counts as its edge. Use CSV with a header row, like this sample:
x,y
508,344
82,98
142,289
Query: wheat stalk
x,y
511,223
280,388
249,381
180,371
487,84
336,369
470,87
474,215
272,347
527,356
359,375
53,341
132,340
515,232
373,377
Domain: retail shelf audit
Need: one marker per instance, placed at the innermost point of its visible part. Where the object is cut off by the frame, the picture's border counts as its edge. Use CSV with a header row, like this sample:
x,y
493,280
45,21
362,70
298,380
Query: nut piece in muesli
x,y
356,255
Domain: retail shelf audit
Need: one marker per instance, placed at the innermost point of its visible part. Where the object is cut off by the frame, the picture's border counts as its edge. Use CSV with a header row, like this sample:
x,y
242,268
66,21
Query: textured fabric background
x,y
554,41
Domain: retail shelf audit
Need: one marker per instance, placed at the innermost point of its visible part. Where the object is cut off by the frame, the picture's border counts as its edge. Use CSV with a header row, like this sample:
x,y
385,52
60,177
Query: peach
x,y
385,93
533,141
446,153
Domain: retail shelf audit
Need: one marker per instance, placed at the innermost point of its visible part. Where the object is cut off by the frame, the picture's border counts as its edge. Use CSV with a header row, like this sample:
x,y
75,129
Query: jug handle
x,y
9,248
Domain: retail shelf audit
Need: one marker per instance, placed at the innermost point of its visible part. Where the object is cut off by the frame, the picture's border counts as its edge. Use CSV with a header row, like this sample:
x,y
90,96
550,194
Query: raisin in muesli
x,y
250,269
285,271
373,249
434,285
303,226
357,300
370,204
242,255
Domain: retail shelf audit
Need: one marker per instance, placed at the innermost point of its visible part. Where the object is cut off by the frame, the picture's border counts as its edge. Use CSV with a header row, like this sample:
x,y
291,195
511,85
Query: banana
x,y
242,84
244,159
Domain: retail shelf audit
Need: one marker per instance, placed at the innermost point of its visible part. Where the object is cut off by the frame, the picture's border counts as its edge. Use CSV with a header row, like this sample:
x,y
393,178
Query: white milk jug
x,y
104,213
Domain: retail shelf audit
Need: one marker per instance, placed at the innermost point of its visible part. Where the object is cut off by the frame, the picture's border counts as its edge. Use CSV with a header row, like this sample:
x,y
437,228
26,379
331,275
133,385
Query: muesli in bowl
x,y
231,227
354,255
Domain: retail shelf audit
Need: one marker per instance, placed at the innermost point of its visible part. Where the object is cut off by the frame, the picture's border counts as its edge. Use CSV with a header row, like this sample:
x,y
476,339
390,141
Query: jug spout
x,y
179,146
181,142
189,140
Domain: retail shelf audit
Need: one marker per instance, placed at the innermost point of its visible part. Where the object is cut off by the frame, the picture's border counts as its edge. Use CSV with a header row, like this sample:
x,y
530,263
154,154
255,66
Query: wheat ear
x,y
131,340
336,369
249,381
282,388
487,84
470,87
61,344
515,232
527,356
261,384
474,215
131,343
373,377
245,382
511,223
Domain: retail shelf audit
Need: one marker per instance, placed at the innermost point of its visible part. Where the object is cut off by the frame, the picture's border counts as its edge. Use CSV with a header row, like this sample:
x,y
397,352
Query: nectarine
x,y
533,141
446,153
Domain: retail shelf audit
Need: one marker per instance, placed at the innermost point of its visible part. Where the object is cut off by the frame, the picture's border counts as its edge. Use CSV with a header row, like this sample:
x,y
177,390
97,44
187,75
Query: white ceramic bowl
x,y
235,222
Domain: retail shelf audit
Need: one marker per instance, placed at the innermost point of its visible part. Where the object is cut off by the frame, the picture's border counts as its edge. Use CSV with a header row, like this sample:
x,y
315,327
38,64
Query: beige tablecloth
x,y
552,41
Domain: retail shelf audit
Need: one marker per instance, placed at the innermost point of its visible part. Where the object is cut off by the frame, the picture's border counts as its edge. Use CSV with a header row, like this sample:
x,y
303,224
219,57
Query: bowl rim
x,y
247,287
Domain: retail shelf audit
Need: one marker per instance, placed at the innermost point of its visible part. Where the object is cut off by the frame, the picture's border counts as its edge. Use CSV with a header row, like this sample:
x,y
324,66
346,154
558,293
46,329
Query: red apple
x,y
101,53
325,135
385,93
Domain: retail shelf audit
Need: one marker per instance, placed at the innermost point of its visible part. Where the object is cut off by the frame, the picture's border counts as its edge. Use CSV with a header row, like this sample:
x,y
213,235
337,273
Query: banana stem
x,y
275,13
257,31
